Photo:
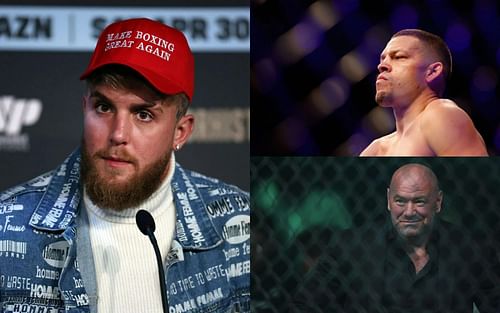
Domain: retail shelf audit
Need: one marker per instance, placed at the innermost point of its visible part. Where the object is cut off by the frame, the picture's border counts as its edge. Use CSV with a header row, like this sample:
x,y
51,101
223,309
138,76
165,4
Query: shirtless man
x,y
414,67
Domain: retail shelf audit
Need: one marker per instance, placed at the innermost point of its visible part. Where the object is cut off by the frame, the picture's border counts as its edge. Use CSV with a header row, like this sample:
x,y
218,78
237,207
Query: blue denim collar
x,y
59,205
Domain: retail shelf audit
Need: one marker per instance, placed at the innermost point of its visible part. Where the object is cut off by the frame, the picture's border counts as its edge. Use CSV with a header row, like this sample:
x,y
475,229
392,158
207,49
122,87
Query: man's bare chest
x,y
412,143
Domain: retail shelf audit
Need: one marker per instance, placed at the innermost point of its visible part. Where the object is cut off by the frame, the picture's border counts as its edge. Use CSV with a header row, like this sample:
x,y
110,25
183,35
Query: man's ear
x,y
388,199
85,102
434,70
439,201
183,130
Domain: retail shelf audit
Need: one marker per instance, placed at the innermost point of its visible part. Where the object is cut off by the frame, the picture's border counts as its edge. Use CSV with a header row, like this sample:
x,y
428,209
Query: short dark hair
x,y
119,76
436,43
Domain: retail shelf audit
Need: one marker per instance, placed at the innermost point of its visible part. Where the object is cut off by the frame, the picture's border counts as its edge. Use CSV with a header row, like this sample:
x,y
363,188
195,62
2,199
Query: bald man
x,y
414,68
413,199
414,263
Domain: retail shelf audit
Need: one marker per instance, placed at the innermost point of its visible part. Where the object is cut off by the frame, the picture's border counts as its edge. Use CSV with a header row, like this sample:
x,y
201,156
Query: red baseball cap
x,y
158,52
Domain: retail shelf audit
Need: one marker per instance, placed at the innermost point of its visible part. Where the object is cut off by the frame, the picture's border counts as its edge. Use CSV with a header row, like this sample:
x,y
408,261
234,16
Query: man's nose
x,y
383,66
410,209
120,130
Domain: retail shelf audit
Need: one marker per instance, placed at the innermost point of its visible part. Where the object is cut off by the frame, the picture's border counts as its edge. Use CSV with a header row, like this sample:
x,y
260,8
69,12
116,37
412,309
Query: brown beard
x,y
380,97
119,196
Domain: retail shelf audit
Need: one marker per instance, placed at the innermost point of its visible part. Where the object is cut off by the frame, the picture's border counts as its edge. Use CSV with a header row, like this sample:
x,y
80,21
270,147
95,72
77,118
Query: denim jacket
x,y
46,262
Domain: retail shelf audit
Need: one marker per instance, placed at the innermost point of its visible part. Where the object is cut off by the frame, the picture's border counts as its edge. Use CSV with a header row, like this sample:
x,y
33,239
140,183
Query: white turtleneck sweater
x,y
125,262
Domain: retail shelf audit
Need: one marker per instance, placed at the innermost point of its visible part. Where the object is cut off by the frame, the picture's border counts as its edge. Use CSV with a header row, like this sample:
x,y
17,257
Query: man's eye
x,y
102,107
400,57
399,201
144,116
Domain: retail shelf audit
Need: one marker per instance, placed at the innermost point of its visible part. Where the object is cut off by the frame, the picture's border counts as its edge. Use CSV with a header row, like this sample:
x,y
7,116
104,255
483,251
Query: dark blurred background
x,y
313,69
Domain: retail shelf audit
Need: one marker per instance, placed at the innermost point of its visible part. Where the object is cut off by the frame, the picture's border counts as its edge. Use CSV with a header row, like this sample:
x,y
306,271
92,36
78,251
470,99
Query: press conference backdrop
x,y
45,46
300,203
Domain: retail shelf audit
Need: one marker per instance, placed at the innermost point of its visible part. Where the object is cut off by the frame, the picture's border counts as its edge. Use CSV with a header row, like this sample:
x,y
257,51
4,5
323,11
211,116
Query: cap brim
x,y
161,83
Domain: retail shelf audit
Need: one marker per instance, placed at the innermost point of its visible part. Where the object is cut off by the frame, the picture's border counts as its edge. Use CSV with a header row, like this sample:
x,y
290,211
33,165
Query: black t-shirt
x,y
366,270
406,291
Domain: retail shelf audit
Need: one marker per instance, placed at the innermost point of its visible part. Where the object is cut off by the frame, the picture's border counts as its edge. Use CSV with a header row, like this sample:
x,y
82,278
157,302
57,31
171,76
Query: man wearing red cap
x,y
72,232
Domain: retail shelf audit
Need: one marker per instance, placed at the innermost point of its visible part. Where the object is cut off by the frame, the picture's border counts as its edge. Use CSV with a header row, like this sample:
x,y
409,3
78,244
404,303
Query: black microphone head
x,y
145,222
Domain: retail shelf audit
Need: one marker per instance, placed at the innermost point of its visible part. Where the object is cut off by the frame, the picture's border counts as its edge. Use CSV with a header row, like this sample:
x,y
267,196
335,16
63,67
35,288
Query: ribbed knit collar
x,y
163,195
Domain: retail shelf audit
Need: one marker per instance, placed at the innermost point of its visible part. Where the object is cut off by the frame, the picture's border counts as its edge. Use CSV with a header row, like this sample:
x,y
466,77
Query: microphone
x,y
147,226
